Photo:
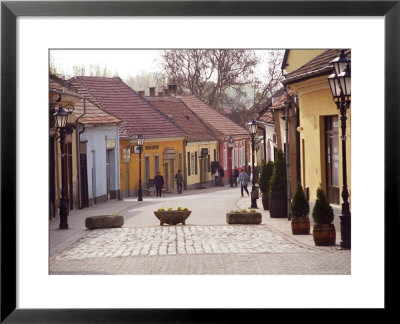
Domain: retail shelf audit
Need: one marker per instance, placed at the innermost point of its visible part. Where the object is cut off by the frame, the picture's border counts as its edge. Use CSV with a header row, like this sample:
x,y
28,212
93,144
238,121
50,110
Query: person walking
x,y
159,183
221,176
235,176
216,174
243,180
179,181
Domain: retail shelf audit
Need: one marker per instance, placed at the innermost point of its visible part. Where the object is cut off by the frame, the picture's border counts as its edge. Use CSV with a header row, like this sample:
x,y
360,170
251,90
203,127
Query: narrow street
x,y
205,245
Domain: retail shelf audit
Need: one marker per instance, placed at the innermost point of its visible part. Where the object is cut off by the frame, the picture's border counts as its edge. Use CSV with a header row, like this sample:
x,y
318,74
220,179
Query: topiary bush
x,y
322,212
265,176
277,184
299,206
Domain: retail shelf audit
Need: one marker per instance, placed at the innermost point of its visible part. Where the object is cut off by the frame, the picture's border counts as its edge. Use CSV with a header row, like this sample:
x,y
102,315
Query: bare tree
x,y
226,78
93,70
145,80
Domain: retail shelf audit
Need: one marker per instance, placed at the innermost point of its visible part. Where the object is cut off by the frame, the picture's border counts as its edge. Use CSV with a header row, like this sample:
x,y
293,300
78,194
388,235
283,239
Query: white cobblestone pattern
x,y
179,240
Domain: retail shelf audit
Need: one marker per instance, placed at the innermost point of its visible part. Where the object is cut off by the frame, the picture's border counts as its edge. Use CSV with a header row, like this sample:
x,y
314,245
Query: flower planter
x,y
300,225
324,234
104,221
244,218
278,207
172,217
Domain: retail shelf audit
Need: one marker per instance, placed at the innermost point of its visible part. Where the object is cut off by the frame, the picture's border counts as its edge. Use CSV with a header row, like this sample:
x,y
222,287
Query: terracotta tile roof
x,y
117,98
220,125
186,119
93,116
266,116
319,65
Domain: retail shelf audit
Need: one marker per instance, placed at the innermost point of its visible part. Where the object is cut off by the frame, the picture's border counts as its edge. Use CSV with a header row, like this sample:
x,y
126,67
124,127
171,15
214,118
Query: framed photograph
x,y
30,28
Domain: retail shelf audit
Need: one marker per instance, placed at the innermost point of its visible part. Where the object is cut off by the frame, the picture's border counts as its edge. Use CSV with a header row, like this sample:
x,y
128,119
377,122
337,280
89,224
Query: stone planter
x,y
172,217
244,218
265,200
278,207
104,221
324,234
300,225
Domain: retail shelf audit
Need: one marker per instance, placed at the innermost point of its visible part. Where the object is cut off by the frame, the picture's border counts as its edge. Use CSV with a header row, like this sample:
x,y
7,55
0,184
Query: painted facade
x,y
294,58
159,154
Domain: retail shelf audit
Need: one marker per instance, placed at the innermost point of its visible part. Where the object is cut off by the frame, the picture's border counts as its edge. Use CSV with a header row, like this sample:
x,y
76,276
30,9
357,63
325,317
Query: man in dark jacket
x,y
159,183
179,181
221,176
235,176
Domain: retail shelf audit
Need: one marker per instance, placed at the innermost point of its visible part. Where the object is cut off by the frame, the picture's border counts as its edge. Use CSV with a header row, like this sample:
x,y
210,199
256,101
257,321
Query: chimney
x,y
152,91
171,89
141,93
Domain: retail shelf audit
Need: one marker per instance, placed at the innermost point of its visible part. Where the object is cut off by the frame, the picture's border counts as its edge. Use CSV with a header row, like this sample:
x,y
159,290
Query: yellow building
x,y
319,128
201,144
163,147
294,58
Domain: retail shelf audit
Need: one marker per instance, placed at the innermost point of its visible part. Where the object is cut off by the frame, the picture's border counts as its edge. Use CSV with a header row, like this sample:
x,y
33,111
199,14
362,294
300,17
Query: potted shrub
x,y
277,188
263,182
171,216
324,232
300,209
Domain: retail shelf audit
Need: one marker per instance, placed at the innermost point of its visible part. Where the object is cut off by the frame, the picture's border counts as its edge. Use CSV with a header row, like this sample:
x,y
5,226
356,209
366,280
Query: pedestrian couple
x,y
244,181
159,182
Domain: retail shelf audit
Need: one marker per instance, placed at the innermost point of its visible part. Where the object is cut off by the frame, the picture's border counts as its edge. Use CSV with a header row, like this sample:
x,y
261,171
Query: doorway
x,y
332,159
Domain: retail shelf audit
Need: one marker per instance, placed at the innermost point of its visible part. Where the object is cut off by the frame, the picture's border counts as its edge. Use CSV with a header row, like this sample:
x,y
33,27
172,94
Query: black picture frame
x,y
11,10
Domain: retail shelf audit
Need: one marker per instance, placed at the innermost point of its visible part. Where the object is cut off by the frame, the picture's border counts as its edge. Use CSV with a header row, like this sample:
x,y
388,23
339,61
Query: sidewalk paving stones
x,y
205,245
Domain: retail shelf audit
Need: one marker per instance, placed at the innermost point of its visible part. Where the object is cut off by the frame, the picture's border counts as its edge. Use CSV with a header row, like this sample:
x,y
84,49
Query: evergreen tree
x,y
299,206
265,176
322,212
277,185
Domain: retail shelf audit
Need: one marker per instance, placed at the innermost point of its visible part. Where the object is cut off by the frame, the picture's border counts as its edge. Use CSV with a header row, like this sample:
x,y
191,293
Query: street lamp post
x,y
61,117
140,141
253,129
230,145
340,84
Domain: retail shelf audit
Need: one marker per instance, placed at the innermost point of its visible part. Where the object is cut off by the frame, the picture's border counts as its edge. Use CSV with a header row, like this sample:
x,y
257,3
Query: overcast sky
x,y
124,62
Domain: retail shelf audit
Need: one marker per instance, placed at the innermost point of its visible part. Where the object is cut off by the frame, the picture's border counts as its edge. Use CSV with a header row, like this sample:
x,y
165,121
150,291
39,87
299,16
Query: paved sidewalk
x,y
205,245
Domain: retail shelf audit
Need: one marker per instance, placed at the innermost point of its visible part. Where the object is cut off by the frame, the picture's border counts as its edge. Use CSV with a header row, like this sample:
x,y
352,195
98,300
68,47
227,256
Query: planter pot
x,y
265,200
244,218
104,221
172,217
300,225
324,234
278,207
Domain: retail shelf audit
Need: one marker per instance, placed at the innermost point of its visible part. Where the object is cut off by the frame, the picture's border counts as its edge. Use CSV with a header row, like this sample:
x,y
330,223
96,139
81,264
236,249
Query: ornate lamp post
x,y
230,145
253,129
340,84
140,141
61,117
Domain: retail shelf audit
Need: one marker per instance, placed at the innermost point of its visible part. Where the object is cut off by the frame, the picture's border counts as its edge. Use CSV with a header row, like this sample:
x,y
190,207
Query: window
x,y
188,163
192,162
215,155
156,164
225,158
195,162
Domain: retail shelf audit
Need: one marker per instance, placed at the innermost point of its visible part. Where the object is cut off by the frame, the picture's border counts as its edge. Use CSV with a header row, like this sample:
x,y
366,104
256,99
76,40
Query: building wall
x,y
298,57
152,148
315,101
193,149
96,148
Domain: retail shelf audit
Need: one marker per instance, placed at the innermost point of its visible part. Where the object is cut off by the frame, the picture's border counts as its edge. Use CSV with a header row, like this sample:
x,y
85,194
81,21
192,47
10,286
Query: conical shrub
x,y
322,212
265,176
277,184
299,206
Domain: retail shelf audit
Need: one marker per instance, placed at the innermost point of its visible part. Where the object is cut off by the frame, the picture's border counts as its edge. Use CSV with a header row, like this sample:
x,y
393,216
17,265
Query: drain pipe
x,y
78,148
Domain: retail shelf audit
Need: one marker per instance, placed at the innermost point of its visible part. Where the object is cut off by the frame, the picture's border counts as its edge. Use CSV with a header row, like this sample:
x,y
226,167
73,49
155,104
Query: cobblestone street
x,y
204,246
